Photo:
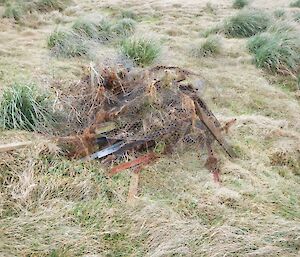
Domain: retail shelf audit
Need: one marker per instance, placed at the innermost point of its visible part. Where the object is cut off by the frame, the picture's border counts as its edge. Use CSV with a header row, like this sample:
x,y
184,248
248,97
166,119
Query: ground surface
x,y
72,209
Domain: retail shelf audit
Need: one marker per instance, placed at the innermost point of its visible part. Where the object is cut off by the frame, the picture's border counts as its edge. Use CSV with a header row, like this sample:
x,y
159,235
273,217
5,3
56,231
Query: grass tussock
x,y
246,23
85,33
128,14
85,28
13,11
210,8
279,13
124,27
295,3
67,44
50,5
239,4
282,26
18,9
23,107
141,50
210,47
276,51
297,17
104,29
214,30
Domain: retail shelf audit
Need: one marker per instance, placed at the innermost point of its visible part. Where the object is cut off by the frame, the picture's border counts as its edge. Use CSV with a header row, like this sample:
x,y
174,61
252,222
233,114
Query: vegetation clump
x,y
279,13
50,5
23,107
295,4
246,23
104,31
129,14
13,11
76,41
276,51
282,26
85,28
142,51
67,44
297,17
124,27
209,8
239,4
16,9
210,47
213,30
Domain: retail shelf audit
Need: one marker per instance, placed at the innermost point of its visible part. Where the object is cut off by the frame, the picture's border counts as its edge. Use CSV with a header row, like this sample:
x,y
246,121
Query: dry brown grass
x,y
49,205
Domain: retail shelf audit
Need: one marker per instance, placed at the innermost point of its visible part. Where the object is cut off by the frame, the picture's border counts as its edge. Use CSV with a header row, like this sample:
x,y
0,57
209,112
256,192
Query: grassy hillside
x,y
51,206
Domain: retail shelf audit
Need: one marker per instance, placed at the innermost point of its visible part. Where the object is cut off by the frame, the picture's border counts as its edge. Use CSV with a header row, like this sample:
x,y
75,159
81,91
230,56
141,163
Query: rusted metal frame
x,y
143,160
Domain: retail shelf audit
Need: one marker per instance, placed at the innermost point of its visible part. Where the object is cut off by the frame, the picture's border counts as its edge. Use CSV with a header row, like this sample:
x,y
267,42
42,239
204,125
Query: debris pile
x,y
142,113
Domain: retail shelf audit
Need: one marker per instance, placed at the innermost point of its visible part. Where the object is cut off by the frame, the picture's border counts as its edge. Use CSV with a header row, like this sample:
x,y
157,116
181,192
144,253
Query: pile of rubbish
x,y
128,118
144,114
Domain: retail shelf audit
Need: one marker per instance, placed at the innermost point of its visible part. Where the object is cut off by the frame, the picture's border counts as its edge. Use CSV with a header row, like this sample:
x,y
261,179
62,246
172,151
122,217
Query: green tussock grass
x,y
85,28
297,17
100,30
295,4
210,8
84,33
210,47
142,51
279,13
282,26
22,106
124,27
13,11
246,23
214,30
128,14
239,4
50,5
67,44
104,30
276,51
17,9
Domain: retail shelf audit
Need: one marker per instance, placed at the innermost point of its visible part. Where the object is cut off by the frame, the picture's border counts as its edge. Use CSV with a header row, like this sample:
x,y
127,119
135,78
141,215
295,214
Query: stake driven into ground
x,y
50,206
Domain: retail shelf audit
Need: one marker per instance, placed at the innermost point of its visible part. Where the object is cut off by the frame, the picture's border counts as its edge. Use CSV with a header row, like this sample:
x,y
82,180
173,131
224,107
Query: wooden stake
x,y
133,187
